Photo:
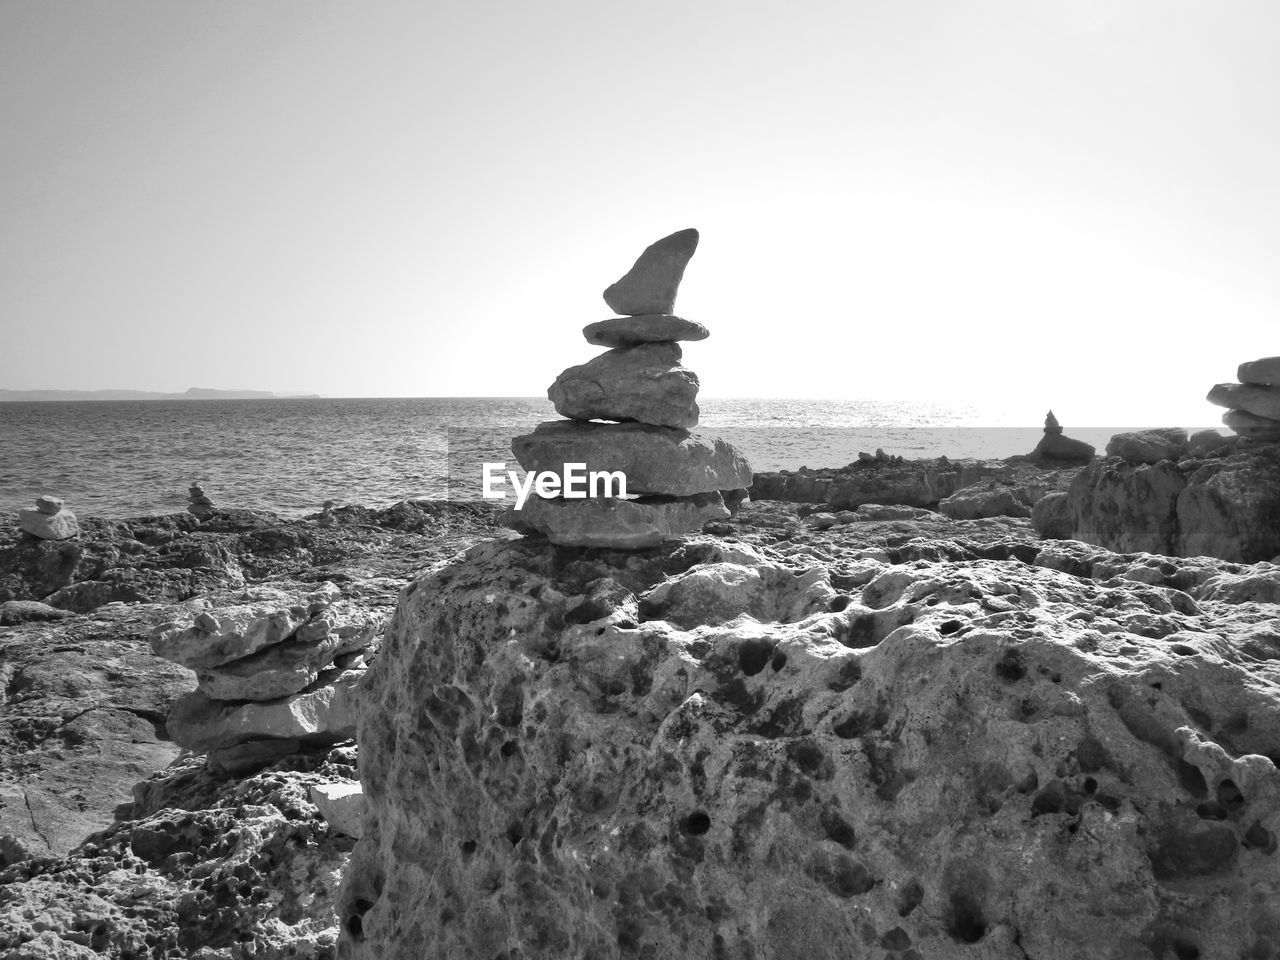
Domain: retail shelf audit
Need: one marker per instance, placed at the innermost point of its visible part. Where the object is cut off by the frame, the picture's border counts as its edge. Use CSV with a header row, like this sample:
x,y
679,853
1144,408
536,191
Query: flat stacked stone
x,y
271,674
1253,404
676,480
199,505
49,520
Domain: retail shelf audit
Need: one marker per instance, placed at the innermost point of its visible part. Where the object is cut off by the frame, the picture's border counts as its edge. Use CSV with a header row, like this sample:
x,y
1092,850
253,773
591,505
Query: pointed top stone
x,y
650,285
1051,424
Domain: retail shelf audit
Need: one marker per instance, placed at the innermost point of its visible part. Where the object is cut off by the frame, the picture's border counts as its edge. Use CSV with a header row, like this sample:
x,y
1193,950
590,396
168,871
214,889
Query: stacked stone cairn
x,y
200,506
272,673
326,518
676,480
1055,446
1253,404
49,520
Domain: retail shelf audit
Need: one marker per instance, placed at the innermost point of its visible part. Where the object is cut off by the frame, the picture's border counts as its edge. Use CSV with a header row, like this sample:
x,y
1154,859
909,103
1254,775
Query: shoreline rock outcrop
x,y
1226,505
676,481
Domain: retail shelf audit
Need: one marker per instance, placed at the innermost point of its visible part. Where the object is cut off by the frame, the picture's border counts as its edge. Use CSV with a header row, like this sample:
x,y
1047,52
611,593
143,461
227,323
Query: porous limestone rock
x,y
199,865
944,759
648,328
658,460
1265,372
1228,507
1149,446
61,525
615,523
1126,507
13,612
992,498
1051,516
1249,397
651,284
644,383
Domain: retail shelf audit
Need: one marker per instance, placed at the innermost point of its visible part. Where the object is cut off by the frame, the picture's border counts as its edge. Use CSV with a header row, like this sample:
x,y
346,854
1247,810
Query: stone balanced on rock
x,y
49,521
675,480
1055,446
272,673
1253,404
200,505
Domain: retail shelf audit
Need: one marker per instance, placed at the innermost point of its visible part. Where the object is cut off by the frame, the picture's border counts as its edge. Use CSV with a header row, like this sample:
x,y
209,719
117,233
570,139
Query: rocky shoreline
x,y
908,720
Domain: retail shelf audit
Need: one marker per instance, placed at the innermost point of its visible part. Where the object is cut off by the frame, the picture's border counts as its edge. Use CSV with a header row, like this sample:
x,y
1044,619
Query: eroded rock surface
x,y
823,746
1227,506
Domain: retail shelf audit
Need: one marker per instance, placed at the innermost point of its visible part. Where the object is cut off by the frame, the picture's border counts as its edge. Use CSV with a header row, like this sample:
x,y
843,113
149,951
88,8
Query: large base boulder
x,y
981,758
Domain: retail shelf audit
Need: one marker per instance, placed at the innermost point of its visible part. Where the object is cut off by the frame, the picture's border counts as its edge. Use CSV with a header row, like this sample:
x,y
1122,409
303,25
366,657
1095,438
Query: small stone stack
x,y
1253,404
49,521
200,506
1055,446
271,674
679,480
326,518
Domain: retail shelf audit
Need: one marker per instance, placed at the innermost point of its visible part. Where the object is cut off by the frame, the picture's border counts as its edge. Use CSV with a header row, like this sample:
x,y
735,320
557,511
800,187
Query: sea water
x,y
136,457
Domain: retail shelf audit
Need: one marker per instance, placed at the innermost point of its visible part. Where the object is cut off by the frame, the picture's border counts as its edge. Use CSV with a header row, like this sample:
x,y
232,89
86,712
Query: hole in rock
x,y
509,748
515,833
468,847
1211,810
1230,797
1258,837
896,939
1191,778
949,627
838,829
965,921
753,656
779,661
1009,667
1185,950
862,633
850,878
696,823
1090,785
909,897
839,603
850,672
1182,650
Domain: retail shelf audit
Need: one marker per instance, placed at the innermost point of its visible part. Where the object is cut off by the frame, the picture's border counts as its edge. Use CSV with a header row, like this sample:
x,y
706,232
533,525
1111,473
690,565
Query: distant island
x,y
191,393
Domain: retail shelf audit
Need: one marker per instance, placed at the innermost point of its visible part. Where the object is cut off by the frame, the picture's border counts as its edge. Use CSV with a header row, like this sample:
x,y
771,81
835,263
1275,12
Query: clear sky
x,y
1011,203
